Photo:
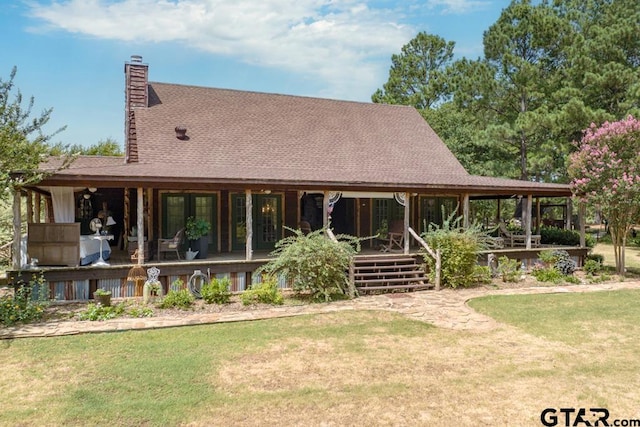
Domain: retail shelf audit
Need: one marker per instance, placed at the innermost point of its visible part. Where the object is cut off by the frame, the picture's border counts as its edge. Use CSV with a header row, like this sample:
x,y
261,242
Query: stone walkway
x,y
446,309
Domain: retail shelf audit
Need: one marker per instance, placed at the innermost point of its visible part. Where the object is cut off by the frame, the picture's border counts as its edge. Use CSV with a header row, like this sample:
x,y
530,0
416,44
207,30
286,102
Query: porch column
x,y
465,211
125,221
538,216
38,212
248,204
526,213
149,211
325,209
568,224
407,203
582,211
29,207
16,254
141,233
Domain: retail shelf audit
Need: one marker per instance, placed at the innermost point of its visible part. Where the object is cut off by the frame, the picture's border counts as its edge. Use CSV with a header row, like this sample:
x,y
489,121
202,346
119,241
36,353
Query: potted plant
x,y
103,297
197,232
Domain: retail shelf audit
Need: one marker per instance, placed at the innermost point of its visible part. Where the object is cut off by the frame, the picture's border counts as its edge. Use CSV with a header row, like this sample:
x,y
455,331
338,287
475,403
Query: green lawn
x,y
351,368
632,256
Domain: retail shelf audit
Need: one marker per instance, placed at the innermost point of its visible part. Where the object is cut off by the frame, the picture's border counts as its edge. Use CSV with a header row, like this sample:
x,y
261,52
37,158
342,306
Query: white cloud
x,y
458,6
340,42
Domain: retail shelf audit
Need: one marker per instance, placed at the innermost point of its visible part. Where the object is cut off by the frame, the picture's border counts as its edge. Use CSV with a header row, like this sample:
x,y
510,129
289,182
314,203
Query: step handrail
x,y
434,254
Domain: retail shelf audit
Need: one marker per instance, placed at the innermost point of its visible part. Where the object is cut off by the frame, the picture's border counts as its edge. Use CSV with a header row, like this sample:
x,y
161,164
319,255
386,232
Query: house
x,y
252,164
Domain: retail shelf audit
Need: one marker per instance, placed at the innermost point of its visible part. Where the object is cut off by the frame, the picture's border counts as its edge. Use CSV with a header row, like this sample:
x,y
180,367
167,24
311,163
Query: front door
x,y
267,221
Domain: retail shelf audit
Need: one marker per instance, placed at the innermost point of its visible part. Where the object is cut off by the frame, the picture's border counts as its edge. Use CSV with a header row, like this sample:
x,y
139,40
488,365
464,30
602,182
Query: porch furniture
x,y
92,249
395,236
54,243
490,242
517,239
101,238
171,245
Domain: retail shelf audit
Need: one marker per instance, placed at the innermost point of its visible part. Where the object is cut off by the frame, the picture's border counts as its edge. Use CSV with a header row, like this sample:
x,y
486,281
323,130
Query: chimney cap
x,y
136,59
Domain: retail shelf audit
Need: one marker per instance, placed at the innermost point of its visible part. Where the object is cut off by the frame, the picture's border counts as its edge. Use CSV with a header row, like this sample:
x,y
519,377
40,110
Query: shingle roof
x,y
248,135
249,138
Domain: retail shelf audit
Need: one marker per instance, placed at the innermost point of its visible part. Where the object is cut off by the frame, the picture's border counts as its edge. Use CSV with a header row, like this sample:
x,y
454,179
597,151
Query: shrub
x,y
26,304
559,259
509,269
482,274
458,250
547,275
596,257
217,291
99,312
314,263
140,312
265,292
182,299
591,266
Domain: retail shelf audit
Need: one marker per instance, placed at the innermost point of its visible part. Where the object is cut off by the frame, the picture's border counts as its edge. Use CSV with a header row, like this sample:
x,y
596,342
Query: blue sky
x,y
70,54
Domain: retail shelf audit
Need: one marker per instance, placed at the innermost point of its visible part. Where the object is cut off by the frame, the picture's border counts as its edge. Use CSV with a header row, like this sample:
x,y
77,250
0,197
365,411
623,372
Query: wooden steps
x,y
389,272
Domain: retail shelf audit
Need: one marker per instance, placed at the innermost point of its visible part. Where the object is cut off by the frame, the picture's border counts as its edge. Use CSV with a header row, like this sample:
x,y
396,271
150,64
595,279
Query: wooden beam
x,y
149,211
526,213
38,203
249,226
325,209
127,211
29,206
466,211
16,254
407,203
141,233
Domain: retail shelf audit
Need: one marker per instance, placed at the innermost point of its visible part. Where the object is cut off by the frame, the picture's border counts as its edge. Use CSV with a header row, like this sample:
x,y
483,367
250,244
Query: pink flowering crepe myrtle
x,y
605,173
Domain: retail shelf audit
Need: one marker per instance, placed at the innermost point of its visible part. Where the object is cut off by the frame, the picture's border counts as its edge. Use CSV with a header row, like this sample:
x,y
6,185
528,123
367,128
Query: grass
x,y
349,368
632,256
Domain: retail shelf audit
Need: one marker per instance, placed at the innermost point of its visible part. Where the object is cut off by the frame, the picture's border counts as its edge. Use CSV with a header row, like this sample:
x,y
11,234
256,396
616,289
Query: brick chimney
x,y
136,96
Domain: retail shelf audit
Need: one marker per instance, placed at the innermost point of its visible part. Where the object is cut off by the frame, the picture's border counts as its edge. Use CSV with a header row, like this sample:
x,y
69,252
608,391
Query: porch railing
x,y
434,254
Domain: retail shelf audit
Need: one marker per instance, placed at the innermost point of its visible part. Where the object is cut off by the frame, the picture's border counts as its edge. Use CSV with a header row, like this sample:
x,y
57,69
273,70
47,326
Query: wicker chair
x,y
171,245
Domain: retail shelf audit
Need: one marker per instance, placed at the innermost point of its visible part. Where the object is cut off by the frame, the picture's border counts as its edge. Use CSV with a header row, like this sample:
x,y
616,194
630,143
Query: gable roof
x,y
251,139
248,135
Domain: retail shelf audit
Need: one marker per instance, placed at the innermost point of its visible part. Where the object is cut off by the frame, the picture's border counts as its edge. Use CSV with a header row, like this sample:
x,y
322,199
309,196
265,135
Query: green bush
x,y
509,269
458,251
313,262
26,304
596,257
96,312
182,299
591,266
559,236
265,292
559,259
547,275
140,312
482,274
217,291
